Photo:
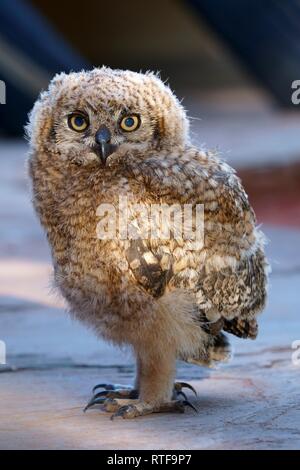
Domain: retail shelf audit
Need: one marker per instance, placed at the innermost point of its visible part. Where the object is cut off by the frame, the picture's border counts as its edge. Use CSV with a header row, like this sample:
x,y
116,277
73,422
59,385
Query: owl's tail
x,y
219,350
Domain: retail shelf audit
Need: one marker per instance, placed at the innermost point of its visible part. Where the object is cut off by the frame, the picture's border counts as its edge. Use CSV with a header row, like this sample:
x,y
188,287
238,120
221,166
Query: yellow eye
x,y
130,123
78,122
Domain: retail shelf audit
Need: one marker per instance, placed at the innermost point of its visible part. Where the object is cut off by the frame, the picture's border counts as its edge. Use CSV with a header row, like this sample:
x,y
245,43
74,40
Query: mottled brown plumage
x,y
161,297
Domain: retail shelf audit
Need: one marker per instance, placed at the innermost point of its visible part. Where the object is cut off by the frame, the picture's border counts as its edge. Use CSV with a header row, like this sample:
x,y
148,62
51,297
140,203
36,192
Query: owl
x,y
110,158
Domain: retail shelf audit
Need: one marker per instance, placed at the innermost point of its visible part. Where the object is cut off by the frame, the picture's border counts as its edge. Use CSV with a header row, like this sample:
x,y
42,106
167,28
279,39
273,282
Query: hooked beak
x,y
104,147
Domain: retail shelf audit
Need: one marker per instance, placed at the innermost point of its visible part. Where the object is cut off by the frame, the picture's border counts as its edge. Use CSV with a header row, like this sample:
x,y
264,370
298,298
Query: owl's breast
x,y
91,269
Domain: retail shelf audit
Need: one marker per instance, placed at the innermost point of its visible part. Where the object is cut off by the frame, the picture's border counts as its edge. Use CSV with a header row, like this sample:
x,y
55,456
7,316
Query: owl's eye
x,y
130,123
78,122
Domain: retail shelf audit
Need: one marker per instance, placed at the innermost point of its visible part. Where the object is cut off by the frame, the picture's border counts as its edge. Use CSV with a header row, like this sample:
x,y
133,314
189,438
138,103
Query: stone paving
x,y
53,362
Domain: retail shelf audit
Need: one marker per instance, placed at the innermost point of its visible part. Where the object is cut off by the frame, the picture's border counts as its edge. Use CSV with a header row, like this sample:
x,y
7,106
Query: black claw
x,y
116,394
105,386
104,393
187,403
185,385
112,387
94,401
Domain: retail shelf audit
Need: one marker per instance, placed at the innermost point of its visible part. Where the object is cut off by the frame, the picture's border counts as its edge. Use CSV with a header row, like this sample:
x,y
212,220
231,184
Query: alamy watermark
x,y
2,92
2,352
296,353
131,221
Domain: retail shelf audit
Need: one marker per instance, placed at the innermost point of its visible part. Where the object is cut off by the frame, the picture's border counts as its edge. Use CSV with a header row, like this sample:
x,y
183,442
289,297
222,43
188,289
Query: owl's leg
x,y
156,387
115,396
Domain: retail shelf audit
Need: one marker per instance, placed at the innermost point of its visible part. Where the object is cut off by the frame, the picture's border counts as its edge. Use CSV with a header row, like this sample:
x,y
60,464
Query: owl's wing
x,y
236,296
237,293
235,283
242,328
230,280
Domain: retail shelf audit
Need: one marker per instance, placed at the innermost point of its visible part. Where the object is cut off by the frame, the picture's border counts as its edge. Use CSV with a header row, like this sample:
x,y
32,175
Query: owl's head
x,y
97,115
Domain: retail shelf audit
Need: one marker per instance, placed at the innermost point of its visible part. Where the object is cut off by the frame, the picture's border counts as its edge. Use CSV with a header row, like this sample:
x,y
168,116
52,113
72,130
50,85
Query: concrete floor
x,y
53,362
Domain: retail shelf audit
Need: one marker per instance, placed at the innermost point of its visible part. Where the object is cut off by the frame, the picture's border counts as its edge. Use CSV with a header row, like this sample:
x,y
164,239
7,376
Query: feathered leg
x,y
154,389
156,371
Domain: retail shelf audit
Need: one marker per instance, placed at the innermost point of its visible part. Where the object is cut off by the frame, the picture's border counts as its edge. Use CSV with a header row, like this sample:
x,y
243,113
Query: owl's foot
x,y
139,408
112,394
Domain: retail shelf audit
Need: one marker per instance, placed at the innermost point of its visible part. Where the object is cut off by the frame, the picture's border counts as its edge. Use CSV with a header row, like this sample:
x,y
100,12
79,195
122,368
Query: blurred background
x,y
233,63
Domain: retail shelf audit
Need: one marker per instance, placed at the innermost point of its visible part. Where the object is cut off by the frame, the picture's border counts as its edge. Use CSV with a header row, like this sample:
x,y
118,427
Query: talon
x,y
105,386
126,392
104,393
94,401
187,403
111,387
185,385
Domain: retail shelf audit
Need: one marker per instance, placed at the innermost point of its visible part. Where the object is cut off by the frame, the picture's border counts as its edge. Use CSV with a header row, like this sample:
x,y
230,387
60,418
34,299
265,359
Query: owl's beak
x,y
104,147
